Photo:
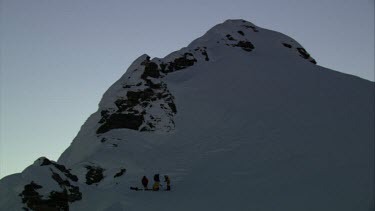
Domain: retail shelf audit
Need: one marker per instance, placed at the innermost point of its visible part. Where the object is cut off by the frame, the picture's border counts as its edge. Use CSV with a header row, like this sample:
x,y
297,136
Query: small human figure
x,y
156,178
168,182
156,185
145,182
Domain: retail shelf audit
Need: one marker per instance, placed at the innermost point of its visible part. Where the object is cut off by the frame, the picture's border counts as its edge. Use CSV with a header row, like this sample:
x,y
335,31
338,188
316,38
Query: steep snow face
x,y
140,100
241,119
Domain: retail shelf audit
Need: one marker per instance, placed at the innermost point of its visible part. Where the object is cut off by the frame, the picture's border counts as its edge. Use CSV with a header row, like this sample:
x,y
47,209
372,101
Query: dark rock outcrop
x,y
56,199
151,70
301,51
119,120
287,45
71,192
304,54
132,110
229,37
180,63
245,45
94,174
61,168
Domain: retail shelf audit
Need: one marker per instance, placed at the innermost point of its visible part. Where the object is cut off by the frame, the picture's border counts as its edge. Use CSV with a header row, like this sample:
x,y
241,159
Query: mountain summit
x,y
242,118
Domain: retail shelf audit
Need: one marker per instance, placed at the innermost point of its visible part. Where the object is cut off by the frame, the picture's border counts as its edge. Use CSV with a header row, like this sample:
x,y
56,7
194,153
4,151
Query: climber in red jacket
x,y
145,182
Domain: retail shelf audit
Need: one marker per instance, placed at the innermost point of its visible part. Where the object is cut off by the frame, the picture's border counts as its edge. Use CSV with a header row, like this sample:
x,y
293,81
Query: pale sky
x,y
59,57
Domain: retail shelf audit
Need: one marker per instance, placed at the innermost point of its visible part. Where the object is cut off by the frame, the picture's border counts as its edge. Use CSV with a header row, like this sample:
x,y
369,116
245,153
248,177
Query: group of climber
x,y
156,186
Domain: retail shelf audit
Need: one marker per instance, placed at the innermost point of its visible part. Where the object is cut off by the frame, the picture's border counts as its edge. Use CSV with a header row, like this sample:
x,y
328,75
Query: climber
x,y
168,182
145,182
156,185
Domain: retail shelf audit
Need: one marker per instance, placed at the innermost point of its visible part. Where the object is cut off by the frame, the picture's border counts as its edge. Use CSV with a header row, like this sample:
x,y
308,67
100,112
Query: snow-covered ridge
x,y
140,100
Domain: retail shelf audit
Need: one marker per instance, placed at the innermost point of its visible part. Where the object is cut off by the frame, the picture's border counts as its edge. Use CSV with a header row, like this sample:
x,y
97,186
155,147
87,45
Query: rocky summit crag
x,y
242,118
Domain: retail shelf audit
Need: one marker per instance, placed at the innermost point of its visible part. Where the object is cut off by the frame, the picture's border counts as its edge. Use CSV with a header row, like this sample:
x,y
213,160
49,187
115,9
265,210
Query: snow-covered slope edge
x,y
242,119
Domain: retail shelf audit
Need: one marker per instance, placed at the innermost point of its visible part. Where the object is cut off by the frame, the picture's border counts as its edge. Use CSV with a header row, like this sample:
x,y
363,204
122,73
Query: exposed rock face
x,y
305,55
301,51
148,105
134,109
60,167
57,199
94,174
118,120
229,37
70,191
287,45
241,33
245,45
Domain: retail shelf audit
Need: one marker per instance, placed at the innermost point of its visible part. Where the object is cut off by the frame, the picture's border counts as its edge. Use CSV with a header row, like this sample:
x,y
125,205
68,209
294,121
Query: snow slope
x,y
241,119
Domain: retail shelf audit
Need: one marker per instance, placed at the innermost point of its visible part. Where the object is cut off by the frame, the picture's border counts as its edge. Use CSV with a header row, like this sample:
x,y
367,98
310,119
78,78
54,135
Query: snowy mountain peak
x,y
247,36
143,99
240,117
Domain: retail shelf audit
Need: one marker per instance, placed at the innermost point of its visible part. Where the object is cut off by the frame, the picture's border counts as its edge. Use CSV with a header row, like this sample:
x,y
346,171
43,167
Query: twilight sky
x,y
59,57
